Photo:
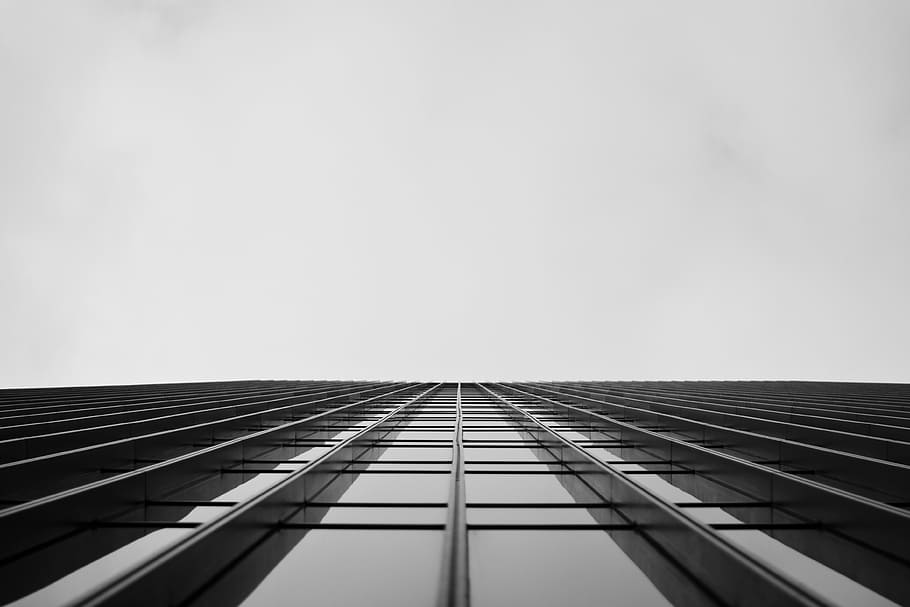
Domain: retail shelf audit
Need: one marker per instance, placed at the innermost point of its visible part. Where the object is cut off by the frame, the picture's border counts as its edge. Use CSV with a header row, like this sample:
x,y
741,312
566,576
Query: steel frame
x,y
822,468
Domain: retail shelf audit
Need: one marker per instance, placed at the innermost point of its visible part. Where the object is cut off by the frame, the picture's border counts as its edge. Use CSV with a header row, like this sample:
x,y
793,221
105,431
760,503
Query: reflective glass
x,y
398,488
342,567
421,435
545,516
546,568
512,488
385,466
507,453
833,586
341,514
411,453
90,576
509,466
503,435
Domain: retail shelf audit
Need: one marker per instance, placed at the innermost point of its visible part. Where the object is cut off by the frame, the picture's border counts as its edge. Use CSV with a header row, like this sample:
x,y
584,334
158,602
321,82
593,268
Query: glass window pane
x,y
512,488
533,516
488,422
341,567
341,514
86,578
507,454
421,435
835,587
392,454
504,435
571,568
510,467
405,466
398,488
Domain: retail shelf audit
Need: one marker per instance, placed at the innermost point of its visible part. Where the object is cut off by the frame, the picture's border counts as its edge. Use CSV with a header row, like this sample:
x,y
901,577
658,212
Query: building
x,y
384,493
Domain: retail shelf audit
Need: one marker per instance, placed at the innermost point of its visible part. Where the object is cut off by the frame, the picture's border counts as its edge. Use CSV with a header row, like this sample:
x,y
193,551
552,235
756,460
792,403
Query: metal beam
x,y
453,587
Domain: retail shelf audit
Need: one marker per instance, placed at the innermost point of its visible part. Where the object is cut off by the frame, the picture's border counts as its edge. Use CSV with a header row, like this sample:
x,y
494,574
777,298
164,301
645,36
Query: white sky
x,y
454,190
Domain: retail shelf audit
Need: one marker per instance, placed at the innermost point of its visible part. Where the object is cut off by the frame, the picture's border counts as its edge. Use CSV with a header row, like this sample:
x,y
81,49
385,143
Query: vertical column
x,y
453,589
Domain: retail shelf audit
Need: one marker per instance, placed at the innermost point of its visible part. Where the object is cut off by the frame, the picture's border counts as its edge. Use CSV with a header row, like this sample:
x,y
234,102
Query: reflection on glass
x,y
545,516
512,454
835,587
509,467
515,488
391,466
86,578
342,514
391,454
339,567
444,436
571,568
484,423
397,488
504,435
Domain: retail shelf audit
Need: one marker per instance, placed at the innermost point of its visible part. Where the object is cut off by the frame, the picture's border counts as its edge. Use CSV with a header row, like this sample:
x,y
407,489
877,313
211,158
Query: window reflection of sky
x,y
545,568
362,567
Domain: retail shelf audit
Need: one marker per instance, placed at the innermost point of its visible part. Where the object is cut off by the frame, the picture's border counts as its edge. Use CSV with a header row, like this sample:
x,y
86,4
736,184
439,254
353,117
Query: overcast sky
x,y
454,190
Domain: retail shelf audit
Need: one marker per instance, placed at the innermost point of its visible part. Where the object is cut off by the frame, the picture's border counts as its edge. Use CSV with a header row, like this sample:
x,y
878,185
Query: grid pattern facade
x,y
385,493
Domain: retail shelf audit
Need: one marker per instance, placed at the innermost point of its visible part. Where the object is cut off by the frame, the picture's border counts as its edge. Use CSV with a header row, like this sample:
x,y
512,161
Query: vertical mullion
x,y
453,587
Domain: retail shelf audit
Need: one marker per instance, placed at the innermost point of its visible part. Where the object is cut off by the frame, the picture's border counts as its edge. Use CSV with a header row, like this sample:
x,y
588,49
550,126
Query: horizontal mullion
x,y
552,526
69,397
38,476
539,505
18,448
847,471
882,447
773,407
121,409
364,526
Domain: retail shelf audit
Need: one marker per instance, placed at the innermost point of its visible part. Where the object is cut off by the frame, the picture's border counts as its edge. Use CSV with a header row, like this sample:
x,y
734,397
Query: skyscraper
x,y
403,493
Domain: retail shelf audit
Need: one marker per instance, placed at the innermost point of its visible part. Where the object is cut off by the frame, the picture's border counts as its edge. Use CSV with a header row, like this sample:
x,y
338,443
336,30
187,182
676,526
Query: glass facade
x,y
485,494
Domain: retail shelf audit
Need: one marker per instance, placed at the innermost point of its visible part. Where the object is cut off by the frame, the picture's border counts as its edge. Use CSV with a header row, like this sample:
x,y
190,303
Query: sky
x,y
454,190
